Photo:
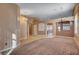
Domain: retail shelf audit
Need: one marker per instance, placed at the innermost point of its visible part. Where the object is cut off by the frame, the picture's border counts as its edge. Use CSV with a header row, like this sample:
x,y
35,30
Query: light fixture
x,y
26,12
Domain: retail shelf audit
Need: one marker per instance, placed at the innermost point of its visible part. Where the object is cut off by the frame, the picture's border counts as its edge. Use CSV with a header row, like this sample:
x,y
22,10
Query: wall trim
x,y
5,49
8,49
64,36
12,50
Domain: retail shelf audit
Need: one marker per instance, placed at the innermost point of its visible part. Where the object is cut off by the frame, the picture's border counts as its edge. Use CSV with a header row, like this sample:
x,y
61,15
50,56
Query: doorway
x,y
49,30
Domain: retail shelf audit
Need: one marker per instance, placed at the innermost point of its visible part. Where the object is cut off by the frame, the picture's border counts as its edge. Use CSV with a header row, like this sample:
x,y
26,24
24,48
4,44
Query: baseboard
x,y
11,49
64,36
5,49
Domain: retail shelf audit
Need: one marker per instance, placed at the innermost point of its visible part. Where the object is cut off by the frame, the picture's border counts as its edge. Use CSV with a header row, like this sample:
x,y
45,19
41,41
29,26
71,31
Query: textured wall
x,y
23,27
9,24
76,14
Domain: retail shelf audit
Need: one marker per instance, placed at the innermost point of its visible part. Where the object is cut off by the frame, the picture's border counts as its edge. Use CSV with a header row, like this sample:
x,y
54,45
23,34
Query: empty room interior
x,y
39,29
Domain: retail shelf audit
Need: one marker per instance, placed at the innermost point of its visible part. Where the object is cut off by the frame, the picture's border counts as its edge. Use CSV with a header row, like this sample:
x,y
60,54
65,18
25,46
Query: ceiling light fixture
x,y
26,12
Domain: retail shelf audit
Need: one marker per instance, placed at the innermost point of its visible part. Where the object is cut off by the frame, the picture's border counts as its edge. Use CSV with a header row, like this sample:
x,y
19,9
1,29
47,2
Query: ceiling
x,y
46,10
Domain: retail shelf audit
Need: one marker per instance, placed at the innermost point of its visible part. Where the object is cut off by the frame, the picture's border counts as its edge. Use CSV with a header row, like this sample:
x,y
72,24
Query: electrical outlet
x,y
6,43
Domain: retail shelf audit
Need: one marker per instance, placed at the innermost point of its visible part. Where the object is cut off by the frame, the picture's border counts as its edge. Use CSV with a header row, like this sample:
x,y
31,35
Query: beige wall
x,y
50,21
23,29
76,15
35,21
9,14
54,21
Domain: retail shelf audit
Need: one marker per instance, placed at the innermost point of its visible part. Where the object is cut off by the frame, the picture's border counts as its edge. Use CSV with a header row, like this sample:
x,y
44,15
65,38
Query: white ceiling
x,y
46,10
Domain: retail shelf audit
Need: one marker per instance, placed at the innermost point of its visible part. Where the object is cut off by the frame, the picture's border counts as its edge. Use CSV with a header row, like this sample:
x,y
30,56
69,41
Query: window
x,y
41,26
66,26
59,27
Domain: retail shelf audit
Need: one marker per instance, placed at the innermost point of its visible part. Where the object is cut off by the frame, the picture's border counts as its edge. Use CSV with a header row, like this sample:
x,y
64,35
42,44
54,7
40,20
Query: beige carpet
x,y
53,46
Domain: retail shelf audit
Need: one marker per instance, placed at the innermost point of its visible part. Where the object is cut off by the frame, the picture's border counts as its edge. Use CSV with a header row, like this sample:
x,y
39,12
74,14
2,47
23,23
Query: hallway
x,y
49,46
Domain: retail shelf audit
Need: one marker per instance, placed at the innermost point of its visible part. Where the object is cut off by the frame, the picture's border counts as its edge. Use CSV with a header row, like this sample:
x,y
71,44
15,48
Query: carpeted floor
x,y
50,46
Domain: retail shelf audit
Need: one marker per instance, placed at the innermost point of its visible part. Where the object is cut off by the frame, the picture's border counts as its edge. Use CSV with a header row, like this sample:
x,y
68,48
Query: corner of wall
x,y
76,39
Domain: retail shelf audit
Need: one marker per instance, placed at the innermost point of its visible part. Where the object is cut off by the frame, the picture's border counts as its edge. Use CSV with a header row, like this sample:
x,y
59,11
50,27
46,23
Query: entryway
x,y
49,29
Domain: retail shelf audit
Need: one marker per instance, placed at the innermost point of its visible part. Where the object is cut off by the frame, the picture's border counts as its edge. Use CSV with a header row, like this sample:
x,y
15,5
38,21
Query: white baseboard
x,y
8,49
5,49
12,50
